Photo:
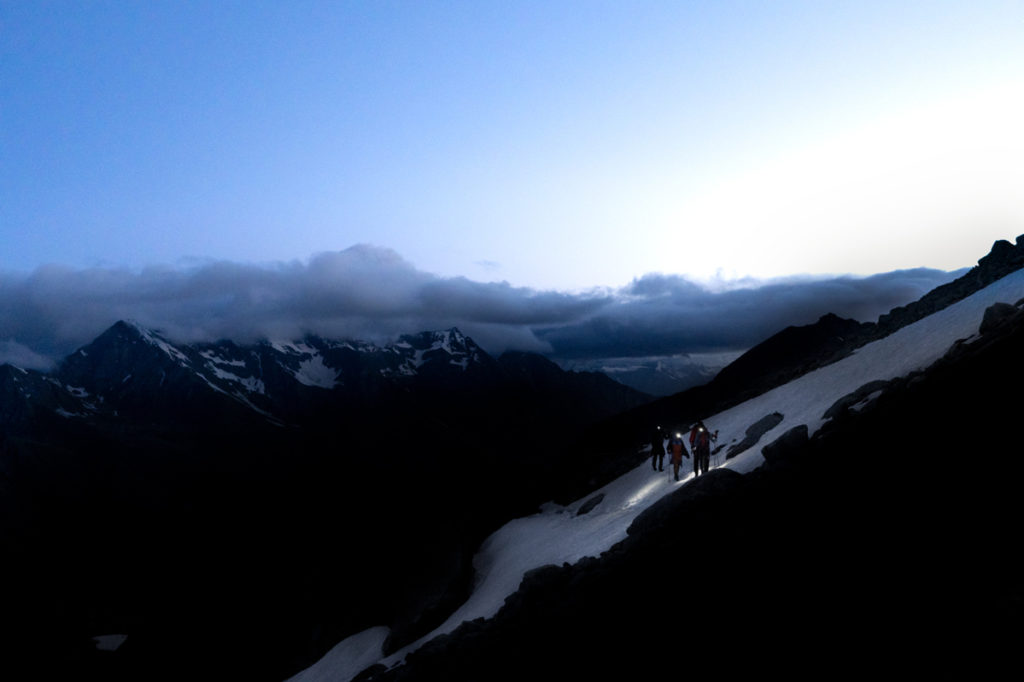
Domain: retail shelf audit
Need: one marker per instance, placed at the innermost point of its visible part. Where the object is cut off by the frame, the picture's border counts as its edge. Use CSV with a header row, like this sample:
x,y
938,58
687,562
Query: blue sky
x,y
561,145
535,162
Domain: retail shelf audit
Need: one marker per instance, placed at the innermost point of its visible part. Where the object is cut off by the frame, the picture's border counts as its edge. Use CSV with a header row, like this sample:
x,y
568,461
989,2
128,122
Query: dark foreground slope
x,y
888,542
240,535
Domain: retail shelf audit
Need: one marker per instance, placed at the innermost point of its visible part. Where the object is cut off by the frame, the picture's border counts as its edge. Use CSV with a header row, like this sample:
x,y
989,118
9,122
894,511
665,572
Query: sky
x,y
564,151
557,535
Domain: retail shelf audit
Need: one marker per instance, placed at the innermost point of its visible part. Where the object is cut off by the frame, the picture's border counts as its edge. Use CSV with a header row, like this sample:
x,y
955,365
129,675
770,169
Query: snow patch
x,y
293,348
348,658
153,339
250,384
314,372
214,358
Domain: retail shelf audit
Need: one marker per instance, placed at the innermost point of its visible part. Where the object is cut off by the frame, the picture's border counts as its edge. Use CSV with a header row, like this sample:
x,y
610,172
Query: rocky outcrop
x,y
754,433
782,448
1001,260
995,315
856,398
788,354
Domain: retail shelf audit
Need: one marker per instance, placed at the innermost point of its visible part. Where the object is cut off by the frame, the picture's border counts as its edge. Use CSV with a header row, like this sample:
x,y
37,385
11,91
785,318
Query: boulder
x,y
754,433
858,396
781,449
995,315
716,483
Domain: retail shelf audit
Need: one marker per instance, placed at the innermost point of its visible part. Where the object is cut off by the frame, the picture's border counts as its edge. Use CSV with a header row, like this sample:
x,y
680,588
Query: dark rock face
x,y
669,510
1003,259
754,433
788,354
855,398
786,445
24,394
995,315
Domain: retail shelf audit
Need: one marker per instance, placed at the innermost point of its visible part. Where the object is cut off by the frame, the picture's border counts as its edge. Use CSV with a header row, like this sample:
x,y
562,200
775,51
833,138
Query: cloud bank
x,y
372,293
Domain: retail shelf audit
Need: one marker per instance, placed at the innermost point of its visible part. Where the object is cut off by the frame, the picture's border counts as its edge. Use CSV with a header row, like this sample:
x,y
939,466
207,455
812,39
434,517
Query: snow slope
x,y
557,535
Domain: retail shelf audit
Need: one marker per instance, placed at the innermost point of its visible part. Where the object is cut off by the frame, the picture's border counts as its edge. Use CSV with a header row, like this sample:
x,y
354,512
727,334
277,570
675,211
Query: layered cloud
x,y
667,314
373,294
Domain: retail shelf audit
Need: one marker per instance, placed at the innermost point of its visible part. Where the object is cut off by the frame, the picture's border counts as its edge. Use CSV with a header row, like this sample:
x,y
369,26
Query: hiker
x,y
700,443
658,449
677,450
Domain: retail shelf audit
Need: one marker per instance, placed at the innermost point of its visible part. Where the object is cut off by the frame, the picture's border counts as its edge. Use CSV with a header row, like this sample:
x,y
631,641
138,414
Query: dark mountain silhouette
x,y
268,498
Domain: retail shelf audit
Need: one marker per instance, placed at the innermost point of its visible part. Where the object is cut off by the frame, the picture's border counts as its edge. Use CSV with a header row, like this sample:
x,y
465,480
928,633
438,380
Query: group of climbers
x,y
700,444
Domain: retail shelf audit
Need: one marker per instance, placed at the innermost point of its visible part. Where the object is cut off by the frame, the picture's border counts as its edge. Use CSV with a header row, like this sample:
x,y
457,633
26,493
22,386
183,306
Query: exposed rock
x,y
754,433
785,445
1003,259
790,353
669,508
995,315
852,399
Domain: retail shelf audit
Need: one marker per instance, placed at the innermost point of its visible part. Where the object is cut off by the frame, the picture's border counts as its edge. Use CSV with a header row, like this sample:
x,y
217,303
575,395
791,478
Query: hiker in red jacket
x,y
700,443
677,451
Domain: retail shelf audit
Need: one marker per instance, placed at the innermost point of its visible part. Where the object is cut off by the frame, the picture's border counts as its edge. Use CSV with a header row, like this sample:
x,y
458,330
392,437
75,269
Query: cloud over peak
x,y
372,293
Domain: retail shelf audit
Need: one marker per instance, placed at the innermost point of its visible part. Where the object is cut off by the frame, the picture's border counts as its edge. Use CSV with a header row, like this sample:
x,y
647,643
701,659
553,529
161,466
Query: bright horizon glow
x,y
562,146
953,168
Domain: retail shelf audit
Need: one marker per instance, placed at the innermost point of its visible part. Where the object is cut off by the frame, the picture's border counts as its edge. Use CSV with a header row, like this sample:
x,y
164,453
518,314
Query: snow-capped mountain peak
x,y
130,365
450,347
157,340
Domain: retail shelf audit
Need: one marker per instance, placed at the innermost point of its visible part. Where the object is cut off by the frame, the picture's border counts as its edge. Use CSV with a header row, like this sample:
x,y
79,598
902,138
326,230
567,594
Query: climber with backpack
x,y
700,443
677,451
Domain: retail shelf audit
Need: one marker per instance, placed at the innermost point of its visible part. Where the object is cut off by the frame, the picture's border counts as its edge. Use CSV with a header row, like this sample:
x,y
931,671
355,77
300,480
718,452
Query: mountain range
x,y
209,465
232,512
